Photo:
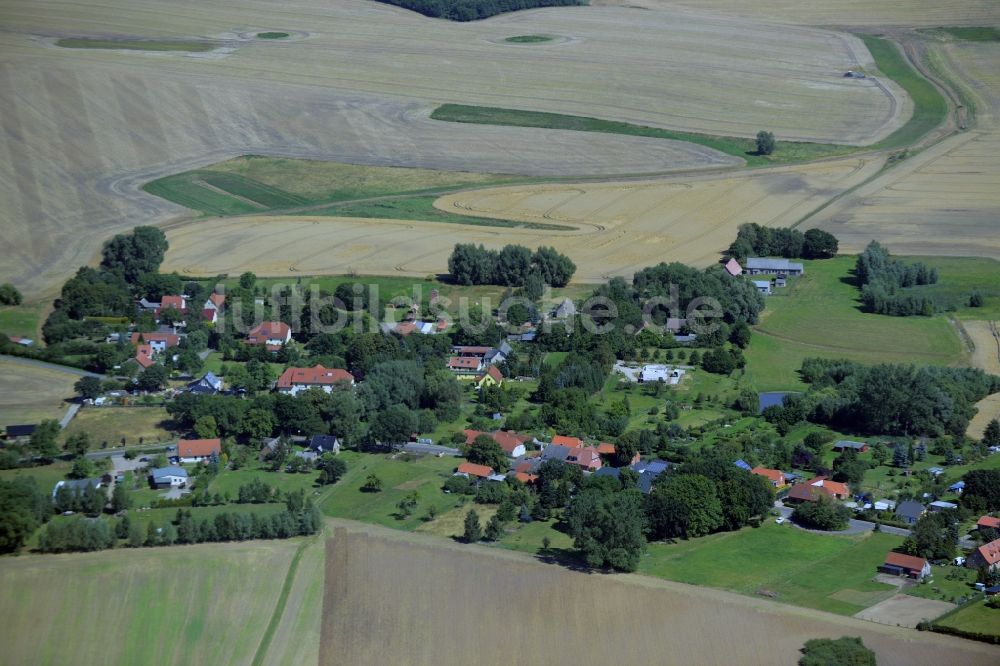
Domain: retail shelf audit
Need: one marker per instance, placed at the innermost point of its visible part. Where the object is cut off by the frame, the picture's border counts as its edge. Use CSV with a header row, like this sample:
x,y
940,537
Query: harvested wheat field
x,y
83,129
31,393
944,200
393,597
985,335
852,13
612,228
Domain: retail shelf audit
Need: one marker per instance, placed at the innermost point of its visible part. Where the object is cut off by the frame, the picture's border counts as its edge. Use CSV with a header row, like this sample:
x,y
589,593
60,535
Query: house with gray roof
x,y
76,486
555,452
173,476
910,511
764,266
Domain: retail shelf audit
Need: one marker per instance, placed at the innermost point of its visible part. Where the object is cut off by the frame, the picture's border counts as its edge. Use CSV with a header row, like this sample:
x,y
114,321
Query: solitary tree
x,y
765,143
88,387
77,444
473,530
846,650
9,295
373,484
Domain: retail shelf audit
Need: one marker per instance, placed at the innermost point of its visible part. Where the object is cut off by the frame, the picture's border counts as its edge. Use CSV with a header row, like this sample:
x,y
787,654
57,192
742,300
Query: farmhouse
x,y
906,565
196,450
565,310
178,303
563,440
775,476
556,452
586,457
844,444
987,555
760,266
144,356
272,334
492,377
295,380
466,367
733,267
910,511
168,477
763,286
469,470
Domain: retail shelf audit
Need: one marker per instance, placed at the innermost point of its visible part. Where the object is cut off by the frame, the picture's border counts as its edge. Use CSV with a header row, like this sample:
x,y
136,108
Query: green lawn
x,y
819,315
949,584
136,44
21,320
977,617
786,151
970,34
929,106
161,517
831,573
422,208
45,476
231,480
399,478
958,277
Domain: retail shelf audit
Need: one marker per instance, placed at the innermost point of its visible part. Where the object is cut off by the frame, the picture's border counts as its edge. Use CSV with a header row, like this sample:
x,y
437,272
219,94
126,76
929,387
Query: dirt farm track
x,y
83,129
546,614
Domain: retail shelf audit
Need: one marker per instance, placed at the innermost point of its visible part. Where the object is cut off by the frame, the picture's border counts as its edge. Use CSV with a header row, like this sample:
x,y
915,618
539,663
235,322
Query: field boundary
x,y
279,607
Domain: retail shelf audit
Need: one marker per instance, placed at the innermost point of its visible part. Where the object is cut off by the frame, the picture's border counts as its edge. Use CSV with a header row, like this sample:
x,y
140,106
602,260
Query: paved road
x,y
853,526
52,366
432,449
107,453
70,413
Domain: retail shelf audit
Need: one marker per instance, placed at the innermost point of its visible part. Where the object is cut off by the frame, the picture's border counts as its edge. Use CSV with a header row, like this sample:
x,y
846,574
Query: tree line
x,y
754,240
512,266
882,280
887,399
474,10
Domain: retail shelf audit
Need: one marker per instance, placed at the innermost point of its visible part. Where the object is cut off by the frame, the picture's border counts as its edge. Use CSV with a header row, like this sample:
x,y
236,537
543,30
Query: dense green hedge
x,y
473,10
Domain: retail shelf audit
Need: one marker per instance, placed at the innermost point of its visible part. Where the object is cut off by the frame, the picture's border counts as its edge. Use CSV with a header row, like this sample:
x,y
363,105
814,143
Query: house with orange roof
x,y
987,555
295,380
809,491
586,457
901,564
272,334
563,440
197,450
144,356
775,476
512,443
988,522
525,478
160,342
469,470
492,377
466,367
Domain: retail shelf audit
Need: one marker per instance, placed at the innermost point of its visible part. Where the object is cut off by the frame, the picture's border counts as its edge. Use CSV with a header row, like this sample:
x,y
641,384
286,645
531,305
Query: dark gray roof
x,y
555,452
910,509
848,444
324,443
652,466
173,470
21,430
609,471
760,263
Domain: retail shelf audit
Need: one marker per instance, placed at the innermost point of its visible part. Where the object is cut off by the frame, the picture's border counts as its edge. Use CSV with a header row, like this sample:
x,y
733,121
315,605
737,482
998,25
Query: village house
x,y
988,522
177,303
987,555
763,266
295,380
197,450
565,310
209,384
844,444
466,367
899,564
272,334
586,457
512,443
213,307
472,470
763,286
20,432
775,476
159,342
909,511
324,444
492,377
811,490
733,267
168,477
76,486
570,442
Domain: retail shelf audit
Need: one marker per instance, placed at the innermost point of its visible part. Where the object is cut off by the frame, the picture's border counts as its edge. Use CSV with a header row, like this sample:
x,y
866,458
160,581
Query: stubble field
x,y
612,228
29,393
944,200
985,335
84,128
434,602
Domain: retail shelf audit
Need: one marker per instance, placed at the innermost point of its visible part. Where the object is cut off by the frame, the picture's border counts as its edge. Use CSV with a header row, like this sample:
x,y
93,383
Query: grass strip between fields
x,y
193,46
930,109
279,608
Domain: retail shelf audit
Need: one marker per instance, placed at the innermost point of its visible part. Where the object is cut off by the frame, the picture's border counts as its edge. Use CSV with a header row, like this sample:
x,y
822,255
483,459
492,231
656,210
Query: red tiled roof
x,y
805,492
468,350
217,299
990,552
775,475
194,448
586,456
463,363
988,521
526,478
830,487
144,355
905,561
171,339
269,330
472,469
406,328
572,442
209,314
175,302
314,376
523,467
605,449
508,441
495,373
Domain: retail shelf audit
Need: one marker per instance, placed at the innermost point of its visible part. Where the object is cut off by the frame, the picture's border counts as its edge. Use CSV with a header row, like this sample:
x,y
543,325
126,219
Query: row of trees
x,y
474,10
513,266
754,240
882,279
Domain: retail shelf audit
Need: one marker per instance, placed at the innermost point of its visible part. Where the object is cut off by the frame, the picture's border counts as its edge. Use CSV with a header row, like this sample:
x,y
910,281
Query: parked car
x,y
779,520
